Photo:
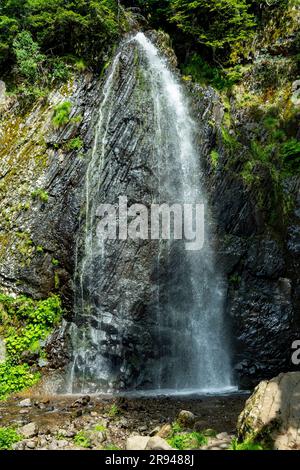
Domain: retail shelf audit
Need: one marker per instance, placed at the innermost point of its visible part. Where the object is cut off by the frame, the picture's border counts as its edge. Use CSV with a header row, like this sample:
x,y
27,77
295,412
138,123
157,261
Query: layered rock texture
x,y
256,228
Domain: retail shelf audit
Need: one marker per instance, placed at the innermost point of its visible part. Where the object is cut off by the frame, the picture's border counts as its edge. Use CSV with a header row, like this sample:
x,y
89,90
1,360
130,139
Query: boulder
x,y
137,442
272,413
29,430
186,419
157,443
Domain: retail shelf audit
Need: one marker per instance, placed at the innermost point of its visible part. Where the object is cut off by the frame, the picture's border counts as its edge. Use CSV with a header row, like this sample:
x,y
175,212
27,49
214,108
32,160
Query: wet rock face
x,y
37,238
261,265
40,190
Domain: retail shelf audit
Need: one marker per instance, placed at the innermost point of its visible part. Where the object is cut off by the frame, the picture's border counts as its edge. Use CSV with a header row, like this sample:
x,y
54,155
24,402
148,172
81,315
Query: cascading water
x,y
149,314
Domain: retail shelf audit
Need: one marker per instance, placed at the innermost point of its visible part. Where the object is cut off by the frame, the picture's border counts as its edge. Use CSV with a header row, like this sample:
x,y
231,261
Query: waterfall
x,y
149,313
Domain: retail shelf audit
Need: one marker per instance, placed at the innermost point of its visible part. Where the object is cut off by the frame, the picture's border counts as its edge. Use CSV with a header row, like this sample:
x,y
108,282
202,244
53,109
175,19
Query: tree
x,y
214,23
29,58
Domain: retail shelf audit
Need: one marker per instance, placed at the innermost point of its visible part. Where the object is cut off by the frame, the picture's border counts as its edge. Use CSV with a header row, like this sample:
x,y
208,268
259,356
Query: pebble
x,y
222,435
224,446
25,403
31,445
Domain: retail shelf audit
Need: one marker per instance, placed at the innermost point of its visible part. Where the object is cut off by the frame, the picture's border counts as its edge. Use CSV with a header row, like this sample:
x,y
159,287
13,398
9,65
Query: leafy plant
x,y
215,23
111,447
14,378
187,440
214,158
29,58
61,115
203,72
75,144
82,440
8,437
24,323
40,194
176,428
114,410
290,154
99,428
246,445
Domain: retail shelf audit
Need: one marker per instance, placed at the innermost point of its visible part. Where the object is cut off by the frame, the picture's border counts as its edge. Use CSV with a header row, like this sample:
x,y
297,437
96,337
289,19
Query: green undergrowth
x,y
181,440
8,437
245,445
61,115
114,411
24,324
82,440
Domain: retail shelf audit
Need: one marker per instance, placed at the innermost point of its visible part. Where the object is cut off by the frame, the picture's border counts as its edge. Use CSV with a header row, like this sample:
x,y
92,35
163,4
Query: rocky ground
x,y
65,423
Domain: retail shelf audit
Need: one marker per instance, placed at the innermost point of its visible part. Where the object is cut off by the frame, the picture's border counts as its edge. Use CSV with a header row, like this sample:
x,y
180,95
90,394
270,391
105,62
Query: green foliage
x,y
114,410
24,323
58,28
40,194
235,280
186,441
99,428
246,445
61,115
58,69
176,428
215,23
206,74
28,56
290,154
75,144
111,447
8,437
82,440
182,441
214,159
14,378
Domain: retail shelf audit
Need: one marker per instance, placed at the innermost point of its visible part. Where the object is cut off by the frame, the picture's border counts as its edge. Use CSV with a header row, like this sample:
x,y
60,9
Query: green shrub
x,y
40,194
186,441
59,70
8,437
61,115
29,58
114,411
206,74
14,378
111,447
246,445
99,428
75,144
217,24
24,323
176,428
82,440
214,159
290,154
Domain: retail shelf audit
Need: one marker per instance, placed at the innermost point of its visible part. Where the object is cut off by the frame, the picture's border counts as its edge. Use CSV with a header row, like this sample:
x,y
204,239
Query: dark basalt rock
x,y
262,265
